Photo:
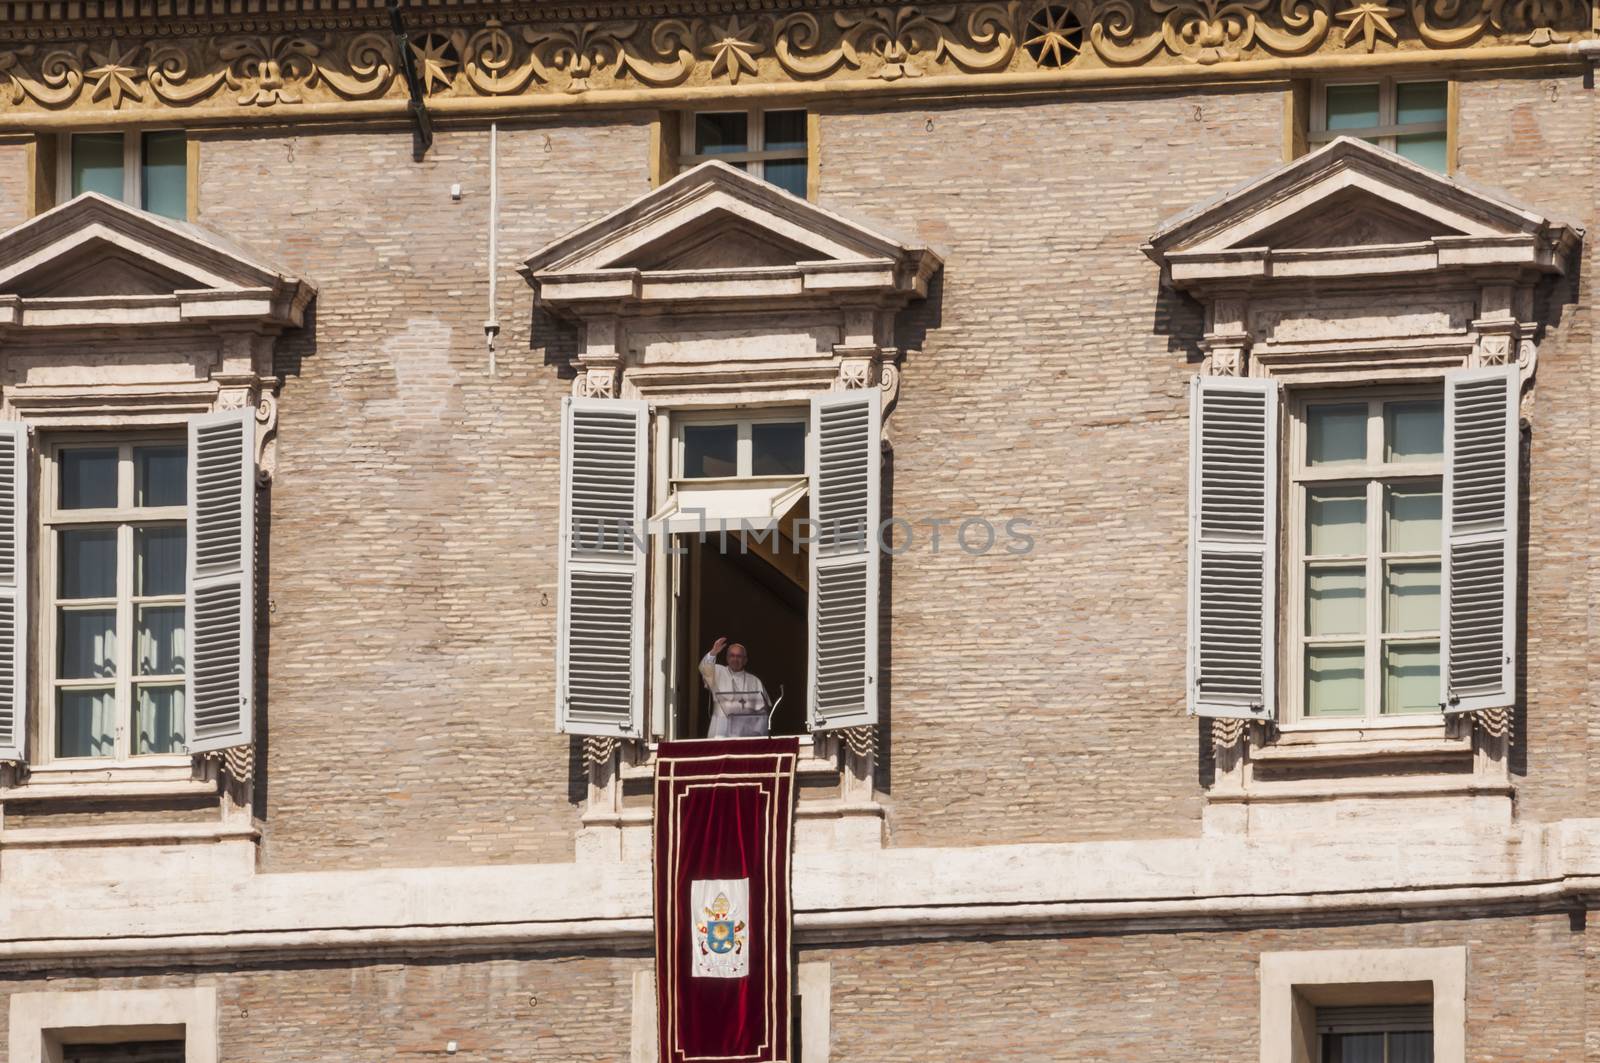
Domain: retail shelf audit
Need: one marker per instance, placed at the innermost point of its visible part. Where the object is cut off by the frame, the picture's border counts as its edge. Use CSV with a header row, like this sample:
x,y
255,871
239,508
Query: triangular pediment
x,y
94,248
1351,195
717,221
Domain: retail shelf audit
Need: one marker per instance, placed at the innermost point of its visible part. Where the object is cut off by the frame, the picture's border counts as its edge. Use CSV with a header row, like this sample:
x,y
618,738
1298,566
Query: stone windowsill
x,y
155,779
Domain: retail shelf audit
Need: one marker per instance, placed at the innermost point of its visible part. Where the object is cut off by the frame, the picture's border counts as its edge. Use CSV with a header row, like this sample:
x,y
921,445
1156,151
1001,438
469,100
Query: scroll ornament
x,y
883,42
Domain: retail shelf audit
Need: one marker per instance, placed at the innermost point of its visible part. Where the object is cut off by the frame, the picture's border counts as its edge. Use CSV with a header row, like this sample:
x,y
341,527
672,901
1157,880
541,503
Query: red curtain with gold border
x,y
724,820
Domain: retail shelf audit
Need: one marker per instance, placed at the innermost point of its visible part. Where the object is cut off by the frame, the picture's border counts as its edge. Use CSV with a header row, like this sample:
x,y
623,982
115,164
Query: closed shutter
x,y
13,589
221,606
843,461
600,622
1477,648
1233,534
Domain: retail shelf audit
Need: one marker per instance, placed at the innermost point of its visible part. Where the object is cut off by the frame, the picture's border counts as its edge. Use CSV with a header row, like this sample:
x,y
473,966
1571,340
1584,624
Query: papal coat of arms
x,y
720,910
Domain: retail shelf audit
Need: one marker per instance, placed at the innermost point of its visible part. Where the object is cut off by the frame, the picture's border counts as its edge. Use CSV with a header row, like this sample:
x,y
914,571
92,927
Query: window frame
x,y
1296,478
743,420
49,520
1387,129
755,157
132,164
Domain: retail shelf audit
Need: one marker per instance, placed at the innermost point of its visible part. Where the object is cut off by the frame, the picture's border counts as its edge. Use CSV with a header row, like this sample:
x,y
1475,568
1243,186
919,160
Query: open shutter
x,y
222,524
1233,534
600,623
13,589
1477,633
843,460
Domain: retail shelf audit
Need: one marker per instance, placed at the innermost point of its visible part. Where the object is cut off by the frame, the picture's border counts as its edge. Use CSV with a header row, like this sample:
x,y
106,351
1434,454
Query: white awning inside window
x,y
734,504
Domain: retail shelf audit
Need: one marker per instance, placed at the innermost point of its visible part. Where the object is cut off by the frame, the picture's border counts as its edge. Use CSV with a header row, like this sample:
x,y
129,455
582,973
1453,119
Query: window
x,y
124,1052
771,445
1410,118
1402,1034
1366,490
148,170
771,145
751,586
115,545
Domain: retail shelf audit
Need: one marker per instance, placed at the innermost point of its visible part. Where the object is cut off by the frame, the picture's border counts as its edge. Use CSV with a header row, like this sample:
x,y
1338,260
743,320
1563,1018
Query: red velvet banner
x,y
724,818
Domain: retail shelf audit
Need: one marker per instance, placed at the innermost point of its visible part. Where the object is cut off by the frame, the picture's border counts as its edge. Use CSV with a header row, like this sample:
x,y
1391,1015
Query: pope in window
x,y
740,702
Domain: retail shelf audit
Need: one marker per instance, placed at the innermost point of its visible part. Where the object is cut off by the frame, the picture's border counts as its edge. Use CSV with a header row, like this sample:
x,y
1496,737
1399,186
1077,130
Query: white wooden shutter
x,y
13,589
844,461
221,607
1233,535
1477,640
600,621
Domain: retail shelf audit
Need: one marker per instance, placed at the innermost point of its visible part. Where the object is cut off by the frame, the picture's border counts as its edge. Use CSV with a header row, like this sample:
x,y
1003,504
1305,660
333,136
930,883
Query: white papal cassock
x,y
739,701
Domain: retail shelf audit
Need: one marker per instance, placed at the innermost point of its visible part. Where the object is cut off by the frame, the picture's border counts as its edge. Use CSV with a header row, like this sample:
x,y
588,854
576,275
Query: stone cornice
x,y
61,914
210,61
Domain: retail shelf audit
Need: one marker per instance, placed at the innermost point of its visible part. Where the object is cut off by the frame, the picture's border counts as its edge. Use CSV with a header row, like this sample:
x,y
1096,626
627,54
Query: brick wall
x,y
1042,698
1536,139
410,706
1179,998
1152,997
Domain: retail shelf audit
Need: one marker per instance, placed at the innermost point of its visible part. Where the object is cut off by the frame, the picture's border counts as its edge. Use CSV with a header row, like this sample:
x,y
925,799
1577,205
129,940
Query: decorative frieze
x,y
291,59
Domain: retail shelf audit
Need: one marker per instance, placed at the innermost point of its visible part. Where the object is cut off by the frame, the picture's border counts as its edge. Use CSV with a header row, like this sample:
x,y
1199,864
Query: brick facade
x,y
410,581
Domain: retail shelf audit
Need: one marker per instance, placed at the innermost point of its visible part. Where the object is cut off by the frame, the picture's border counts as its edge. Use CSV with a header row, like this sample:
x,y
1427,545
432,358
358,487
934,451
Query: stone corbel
x,y
1227,338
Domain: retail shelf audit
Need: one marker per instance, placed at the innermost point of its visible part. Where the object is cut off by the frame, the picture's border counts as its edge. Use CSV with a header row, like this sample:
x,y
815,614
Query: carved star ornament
x,y
1369,21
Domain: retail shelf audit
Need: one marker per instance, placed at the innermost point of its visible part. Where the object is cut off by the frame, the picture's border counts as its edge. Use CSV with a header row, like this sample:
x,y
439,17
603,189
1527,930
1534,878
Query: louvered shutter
x,y
1477,650
1233,534
843,461
600,622
13,589
221,601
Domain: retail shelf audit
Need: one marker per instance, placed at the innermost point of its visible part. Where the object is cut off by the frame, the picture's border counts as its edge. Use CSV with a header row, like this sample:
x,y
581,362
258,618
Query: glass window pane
x,y
784,130
1412,517
778,448
158,560
1336,521
97,164
1355,1048
88,478
1424,149
719,134
84,723
1411,597
164,174
158,723
1352,106
88,563
88,644
1336,435
1413,431
1411,678
1334,680
787,174
1336,601
161,640
710,450
1412,1047
160,476
1420,101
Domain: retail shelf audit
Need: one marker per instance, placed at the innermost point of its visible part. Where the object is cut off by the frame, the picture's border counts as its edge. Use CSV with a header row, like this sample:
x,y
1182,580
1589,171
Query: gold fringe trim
x,y
862,741
599,750
1227,733
1496,723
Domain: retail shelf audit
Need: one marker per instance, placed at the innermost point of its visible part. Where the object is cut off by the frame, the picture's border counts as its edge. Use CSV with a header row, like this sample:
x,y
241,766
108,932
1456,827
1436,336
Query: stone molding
x,y
60,914
257,58
191,1015
1293,983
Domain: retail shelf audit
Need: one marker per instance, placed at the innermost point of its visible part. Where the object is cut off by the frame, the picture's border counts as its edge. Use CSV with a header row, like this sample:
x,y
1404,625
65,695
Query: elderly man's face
x,y
737,658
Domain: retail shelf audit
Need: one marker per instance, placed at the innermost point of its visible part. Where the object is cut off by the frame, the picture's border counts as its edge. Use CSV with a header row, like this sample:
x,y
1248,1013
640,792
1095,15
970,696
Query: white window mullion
x,y
132,186
756,140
